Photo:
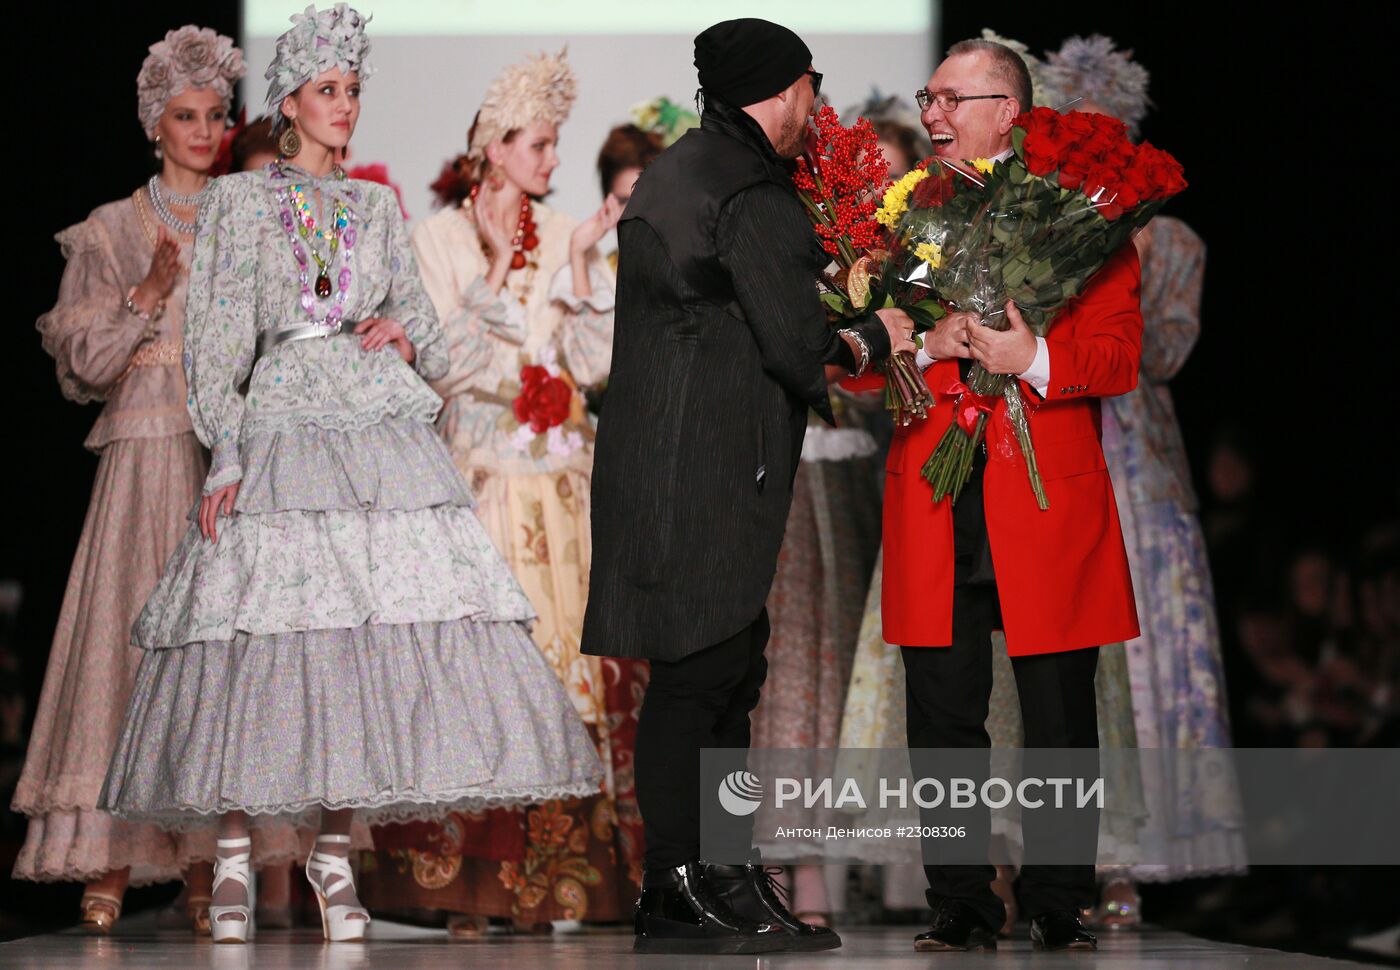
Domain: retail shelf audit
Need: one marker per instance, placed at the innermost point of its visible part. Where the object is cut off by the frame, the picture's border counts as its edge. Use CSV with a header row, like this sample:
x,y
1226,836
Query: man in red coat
x,y
1056,581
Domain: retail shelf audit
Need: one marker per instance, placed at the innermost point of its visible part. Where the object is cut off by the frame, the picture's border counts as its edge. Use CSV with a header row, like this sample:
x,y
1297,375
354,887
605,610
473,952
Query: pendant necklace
x,y
307,228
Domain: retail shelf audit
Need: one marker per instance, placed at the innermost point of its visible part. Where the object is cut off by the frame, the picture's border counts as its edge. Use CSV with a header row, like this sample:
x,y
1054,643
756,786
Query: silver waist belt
x,y
269,339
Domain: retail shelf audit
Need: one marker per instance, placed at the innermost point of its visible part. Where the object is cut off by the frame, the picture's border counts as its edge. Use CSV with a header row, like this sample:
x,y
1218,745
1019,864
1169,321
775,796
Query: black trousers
x,y
948,690
699,701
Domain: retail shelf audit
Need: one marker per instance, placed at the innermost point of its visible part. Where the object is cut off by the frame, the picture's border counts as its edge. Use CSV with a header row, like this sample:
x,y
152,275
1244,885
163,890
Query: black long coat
x,y
718,353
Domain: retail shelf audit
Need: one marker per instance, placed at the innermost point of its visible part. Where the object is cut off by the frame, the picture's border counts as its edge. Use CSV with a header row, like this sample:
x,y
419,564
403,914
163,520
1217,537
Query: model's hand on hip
x,y
377,332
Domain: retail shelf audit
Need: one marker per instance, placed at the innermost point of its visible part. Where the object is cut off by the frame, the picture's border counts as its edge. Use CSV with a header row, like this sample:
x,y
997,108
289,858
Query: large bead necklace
x,y
162,205
524,241
300,228
307,228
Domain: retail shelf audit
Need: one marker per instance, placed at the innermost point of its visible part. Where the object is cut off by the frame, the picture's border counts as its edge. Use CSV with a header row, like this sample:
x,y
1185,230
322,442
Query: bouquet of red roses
x,y
1033,228
838,180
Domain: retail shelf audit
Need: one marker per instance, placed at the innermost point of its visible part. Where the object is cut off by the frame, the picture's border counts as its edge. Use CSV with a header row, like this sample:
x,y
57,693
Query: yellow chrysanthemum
x,y
931,253
983,165
896,200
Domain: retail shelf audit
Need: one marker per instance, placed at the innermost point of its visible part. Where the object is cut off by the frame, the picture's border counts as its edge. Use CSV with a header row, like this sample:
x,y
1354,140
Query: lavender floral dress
x,y
352,639
1193,828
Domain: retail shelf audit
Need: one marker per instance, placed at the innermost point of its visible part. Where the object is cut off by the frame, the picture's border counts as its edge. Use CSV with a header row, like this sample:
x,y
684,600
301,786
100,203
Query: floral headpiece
x,y
317,42
1034,66
1091,68
191,57
539,88
664,118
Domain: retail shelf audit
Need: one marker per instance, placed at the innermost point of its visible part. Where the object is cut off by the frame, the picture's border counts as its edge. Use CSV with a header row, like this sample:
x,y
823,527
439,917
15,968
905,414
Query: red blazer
x,y
1062,574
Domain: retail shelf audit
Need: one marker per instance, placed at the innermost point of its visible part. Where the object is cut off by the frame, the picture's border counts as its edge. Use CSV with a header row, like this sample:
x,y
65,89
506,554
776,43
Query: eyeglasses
x,y
949,101
816,77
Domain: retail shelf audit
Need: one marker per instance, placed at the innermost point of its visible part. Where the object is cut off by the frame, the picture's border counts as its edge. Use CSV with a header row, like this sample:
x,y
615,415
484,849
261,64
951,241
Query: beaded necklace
x,y
300,225
524,241
162,206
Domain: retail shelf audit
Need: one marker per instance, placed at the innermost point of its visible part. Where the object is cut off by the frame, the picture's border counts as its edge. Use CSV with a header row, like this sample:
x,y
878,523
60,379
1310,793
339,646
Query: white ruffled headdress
x,y
539,88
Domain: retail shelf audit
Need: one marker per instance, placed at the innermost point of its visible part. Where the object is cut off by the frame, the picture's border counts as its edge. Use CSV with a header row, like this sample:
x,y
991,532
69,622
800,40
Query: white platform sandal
x,y
236,868
328,874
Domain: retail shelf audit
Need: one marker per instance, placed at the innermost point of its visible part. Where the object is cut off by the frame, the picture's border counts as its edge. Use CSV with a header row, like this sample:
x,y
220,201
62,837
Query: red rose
x,y
1042,156
532,375
1041,119
544,401
1073,169
1126,194
1162,172
1066,139
1110,126
1099,184
1136,179
936,190
1100,145
1081,124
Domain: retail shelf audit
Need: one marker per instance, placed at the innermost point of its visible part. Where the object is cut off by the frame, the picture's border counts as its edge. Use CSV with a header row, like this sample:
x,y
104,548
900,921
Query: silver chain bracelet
x,y
864,363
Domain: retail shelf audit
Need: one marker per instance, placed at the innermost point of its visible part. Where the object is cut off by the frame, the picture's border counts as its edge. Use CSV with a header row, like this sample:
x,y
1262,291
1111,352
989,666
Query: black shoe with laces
x,y
1060,929
752,891
957,927
678,912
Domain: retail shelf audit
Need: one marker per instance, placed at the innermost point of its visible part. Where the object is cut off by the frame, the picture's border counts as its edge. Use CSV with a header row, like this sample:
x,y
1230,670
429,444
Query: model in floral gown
x,y
526,303
115,334
336,631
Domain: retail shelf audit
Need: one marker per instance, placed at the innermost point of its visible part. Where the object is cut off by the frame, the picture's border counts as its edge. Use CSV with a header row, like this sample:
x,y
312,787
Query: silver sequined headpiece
x,y
317,42
191,57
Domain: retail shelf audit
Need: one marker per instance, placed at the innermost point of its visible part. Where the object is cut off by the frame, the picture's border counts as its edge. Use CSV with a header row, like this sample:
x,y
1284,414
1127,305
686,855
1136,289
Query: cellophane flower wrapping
x,y
1033,228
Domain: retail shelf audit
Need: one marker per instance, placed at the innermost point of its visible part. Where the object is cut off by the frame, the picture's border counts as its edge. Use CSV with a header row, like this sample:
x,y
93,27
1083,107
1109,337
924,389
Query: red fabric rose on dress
x,y
544,401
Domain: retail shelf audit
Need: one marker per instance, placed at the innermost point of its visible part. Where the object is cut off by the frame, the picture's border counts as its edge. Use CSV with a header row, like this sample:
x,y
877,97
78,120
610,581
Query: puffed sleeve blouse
x,y
253,270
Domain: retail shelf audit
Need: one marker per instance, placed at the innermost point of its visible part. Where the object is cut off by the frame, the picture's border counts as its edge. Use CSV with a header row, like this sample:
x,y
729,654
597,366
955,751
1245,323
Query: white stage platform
x,y
138,945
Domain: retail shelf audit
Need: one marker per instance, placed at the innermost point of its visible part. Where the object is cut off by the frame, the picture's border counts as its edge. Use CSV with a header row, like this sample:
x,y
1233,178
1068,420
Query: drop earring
x,y
290,143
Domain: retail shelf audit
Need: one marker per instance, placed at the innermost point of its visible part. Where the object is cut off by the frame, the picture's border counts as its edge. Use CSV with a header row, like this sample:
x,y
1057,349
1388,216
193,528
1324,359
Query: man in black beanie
x,y
720,348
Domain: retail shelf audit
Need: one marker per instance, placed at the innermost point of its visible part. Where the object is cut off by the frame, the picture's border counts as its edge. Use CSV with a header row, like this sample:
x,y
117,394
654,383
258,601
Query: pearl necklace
x,y
162,206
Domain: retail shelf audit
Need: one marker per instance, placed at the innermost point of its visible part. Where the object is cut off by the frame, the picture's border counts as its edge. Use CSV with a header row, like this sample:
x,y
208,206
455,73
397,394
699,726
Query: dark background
x,y
1281,128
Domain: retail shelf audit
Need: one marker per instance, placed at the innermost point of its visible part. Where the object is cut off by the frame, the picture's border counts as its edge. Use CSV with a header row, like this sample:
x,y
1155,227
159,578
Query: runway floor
x,y
139,945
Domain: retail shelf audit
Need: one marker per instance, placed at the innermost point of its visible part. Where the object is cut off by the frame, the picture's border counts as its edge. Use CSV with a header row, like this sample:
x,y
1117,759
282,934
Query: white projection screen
x,y
434,59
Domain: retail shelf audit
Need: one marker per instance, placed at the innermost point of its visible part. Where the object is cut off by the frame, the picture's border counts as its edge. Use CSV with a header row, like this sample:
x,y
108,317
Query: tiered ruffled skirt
x,y
352,640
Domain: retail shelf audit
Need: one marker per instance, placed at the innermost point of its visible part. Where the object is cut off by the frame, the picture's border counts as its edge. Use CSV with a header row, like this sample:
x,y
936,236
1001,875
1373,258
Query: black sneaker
x,y
1060,929
678,912
956,927
751,891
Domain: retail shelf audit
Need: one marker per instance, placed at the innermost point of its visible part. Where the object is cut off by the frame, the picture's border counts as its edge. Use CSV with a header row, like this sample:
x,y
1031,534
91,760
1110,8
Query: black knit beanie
x,y
749,60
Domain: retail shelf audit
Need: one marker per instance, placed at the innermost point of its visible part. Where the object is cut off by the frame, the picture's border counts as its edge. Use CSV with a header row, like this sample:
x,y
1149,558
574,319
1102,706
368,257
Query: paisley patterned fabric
x,y
352,638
